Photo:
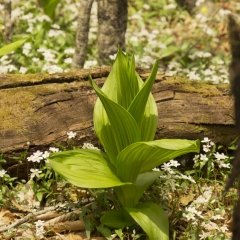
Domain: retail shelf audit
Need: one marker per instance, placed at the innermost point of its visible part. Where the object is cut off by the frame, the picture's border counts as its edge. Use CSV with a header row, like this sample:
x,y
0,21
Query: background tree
x,y
82,34
7,21
234,38
112,26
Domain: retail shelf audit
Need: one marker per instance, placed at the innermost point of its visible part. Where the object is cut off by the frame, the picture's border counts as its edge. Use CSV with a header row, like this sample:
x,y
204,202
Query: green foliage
x,y
12,46
49,6
124,107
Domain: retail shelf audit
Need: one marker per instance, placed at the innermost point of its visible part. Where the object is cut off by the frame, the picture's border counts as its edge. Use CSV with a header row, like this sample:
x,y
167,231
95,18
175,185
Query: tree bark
x,y
234,39
112,25
7,21
82,34
40,109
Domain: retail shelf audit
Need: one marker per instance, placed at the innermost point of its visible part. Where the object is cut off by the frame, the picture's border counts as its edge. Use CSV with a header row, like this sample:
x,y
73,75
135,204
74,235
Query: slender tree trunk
x,y
234,39
7,21
112,26
82,34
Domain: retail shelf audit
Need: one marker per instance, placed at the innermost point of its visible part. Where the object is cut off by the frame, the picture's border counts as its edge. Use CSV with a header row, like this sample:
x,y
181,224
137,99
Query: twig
x,y
27,218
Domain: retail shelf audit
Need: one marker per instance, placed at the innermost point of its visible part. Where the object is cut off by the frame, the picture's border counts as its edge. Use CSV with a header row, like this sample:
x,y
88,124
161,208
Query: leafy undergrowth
x,y
47,207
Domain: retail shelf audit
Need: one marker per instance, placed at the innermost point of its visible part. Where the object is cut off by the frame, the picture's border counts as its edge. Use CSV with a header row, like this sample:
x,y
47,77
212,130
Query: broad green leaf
x,y
143,156
87,168
123,126
117,219
50,6
122,74
12,46
138,105
152,219
129,195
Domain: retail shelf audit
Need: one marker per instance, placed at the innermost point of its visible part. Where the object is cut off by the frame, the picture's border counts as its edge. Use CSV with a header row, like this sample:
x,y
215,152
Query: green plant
x,y
125,121
12,46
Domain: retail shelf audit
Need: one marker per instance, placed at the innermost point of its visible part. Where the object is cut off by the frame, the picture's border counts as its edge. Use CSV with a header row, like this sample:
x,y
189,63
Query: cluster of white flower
x,y
194,213
38,156
220,160
5,66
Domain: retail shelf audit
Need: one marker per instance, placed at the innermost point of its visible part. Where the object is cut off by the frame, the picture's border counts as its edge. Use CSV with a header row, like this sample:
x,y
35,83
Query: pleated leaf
x,y
152,219
138,105
126,80
122,75
117,219
143,156
150,120
129,195
86,168
122,125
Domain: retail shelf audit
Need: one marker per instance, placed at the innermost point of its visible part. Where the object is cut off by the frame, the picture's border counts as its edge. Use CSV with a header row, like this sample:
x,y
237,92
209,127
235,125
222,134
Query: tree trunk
x,y
234,39
112,25
7,21
82,34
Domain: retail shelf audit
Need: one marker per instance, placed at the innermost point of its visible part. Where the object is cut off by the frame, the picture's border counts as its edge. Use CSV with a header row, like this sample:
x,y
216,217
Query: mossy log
x,y
40,109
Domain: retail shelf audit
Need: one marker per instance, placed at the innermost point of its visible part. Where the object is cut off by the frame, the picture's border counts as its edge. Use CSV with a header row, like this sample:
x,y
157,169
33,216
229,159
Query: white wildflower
x,y
174,163
23,70
182,176
71,134
89,146
53,149
45,154
2,172
219,156
205,140
215,217
35,173
205,235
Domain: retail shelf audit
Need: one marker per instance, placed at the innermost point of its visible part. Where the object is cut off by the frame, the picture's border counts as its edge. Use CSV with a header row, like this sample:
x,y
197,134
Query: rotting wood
x,y
40,109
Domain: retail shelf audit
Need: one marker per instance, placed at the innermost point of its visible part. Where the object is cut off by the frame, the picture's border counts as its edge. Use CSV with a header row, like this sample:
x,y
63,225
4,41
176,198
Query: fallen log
x,y
38,109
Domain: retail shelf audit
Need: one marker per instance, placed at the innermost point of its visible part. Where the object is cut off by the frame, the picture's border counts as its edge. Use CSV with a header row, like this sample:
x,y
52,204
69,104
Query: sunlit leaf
x,y
123,126
129,195
138,105
152,219
87,168
143,156
13,46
